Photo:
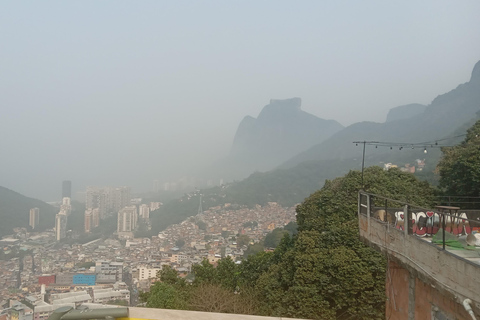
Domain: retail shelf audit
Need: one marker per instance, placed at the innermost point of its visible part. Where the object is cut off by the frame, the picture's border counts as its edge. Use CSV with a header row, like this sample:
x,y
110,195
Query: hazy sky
x,y
124,92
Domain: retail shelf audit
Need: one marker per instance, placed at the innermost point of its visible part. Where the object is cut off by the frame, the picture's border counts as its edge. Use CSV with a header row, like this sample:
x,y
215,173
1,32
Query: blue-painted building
x,y
85,279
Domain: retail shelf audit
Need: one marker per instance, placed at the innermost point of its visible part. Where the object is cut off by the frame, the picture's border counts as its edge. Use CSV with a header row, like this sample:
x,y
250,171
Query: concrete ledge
x,y
168,314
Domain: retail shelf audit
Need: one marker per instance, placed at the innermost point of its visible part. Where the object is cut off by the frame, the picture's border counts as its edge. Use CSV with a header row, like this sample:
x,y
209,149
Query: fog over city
x,y
128,92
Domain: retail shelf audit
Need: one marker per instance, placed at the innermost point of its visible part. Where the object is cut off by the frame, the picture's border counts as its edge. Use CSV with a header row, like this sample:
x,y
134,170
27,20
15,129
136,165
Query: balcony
x,y
429,270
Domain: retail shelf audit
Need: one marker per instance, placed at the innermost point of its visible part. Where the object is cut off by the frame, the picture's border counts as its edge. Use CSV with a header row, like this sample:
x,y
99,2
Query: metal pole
x,y
443,234
363,161
386,216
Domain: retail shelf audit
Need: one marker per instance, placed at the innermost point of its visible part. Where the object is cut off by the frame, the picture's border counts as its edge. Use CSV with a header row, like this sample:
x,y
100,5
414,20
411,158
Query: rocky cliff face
x,y
440,119
281,130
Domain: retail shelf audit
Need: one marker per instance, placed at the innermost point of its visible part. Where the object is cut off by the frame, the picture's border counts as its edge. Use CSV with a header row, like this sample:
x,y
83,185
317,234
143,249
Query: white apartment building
x,y
144,211
127,219
145,273
60,225
34,217
106,295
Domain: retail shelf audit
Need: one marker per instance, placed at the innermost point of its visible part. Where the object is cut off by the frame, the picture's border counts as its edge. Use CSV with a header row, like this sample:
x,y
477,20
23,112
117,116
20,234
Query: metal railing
x,y
452,224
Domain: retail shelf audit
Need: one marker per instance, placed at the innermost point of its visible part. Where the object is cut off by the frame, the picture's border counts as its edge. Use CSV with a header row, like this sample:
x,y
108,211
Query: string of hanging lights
x,y
439,143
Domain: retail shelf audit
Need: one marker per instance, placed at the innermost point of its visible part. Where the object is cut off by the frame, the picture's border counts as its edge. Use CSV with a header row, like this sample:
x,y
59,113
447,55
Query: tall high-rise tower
x,y
61,219
127,219
66,189
34,218
88,220
60,225
144,211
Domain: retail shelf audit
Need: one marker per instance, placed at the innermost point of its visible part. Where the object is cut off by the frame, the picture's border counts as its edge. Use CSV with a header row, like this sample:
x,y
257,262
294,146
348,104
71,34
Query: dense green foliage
x,y
459,167
323,272
213,290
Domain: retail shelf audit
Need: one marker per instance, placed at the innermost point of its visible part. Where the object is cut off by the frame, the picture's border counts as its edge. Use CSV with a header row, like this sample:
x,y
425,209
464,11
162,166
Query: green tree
x,y
227,273
180,243
273,238
168,292
204,272
243,240
292,228
459,167
253,249
201,225
225,234
325,271
166,296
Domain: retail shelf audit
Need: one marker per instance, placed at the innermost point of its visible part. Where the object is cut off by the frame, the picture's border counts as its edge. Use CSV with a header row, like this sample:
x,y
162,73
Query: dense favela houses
x,y
113,269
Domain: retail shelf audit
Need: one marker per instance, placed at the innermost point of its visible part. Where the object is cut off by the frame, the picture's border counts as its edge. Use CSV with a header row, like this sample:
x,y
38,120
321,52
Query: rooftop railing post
x,y
443,233
406,223
359,210
386,215
368,214
363,162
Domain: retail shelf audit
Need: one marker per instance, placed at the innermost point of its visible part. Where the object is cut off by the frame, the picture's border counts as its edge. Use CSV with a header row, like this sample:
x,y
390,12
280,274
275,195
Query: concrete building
x,y
144,211
84,279
96,217
46,279
127,219
145,273
64,278
91,219
88,220
107,199
66,206
76,297
425,278
109,295
108,272
34,218
60,225
155,205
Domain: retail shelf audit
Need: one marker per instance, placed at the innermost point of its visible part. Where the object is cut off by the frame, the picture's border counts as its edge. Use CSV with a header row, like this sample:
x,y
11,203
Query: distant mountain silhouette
x,y
405,112
440,119
15,209
281,131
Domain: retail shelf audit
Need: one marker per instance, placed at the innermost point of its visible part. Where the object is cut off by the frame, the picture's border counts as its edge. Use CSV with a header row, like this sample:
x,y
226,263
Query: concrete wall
x,y
435,277
417,300
164,314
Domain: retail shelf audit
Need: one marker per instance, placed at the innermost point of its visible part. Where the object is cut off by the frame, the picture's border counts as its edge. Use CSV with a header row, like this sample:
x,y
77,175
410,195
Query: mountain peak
x,y
292,103
476,73
280,131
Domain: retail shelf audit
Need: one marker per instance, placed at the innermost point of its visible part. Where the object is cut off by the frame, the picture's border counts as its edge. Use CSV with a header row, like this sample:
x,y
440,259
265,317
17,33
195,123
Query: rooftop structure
x,y
433,269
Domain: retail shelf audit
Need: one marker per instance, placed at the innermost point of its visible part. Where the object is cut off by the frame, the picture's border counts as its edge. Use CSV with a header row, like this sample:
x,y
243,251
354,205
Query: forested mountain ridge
x,y
15,209
440,119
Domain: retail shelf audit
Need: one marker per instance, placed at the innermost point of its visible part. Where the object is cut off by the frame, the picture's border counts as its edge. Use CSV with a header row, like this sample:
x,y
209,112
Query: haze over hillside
x,y
127,93
15,208
281,130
